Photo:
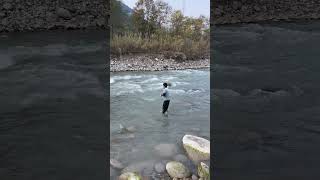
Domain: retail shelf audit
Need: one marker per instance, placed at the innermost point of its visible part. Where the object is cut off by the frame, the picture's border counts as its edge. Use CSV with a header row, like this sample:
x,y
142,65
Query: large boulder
x,y
197,148
177,170
203,171
130,176
166,150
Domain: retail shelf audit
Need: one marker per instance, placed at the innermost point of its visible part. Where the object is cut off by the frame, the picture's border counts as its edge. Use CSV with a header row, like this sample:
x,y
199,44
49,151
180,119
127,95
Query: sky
x,y
193,8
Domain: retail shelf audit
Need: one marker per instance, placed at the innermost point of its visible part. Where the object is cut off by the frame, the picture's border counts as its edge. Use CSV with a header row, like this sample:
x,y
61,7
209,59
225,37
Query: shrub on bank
x,y
131,43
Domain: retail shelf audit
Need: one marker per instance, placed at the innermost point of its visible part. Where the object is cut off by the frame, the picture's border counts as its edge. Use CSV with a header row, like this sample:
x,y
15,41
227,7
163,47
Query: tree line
x,y
156,17
154,27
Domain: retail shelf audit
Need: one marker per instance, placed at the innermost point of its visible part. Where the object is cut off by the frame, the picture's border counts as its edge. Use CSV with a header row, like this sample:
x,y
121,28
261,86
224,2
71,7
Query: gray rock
x,y
197,148
144,167
116,164
4,22
236,5
166,150
2,14
194,177
101,22
64,13
7,6
180,158
132,129
130,176
177,170
256,8
203,171
159,167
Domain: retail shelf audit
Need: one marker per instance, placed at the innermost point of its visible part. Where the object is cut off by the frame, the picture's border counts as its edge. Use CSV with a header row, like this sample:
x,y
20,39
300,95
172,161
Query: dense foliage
x,y
154,27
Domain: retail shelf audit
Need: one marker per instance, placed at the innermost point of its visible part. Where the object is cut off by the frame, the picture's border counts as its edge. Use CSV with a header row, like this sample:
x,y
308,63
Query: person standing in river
x,y
166,95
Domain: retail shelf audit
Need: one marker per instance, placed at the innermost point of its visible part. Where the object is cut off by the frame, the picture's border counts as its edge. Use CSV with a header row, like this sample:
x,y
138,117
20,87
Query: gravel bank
x,y
247,11
154,63
47,15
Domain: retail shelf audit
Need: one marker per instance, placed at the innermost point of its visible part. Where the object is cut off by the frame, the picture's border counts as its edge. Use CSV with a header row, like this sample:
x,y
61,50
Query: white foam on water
x,y
177,91
195,91
154,86
126,77
150,80
149,99
121,88
168,78
112,80
180,83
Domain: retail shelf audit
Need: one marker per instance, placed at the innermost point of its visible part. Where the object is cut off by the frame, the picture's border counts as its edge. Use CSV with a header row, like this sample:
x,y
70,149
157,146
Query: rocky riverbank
x,y
189,162
154,62
246,11
44,15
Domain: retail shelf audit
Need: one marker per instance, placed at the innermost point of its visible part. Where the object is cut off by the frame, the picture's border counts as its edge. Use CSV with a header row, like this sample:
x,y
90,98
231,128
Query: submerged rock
x,y
203,171
177,170
194,177
130,176
166,150
132,129
197,148
159,167
124,129
180,158
116,164
144,168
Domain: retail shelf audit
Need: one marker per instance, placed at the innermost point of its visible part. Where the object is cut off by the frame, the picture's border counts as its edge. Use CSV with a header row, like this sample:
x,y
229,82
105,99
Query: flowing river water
x,y
266,101
53,111
135,101
266,104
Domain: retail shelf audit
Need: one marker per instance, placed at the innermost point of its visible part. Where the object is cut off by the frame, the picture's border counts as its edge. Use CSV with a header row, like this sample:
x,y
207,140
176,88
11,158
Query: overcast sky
x,y
193,8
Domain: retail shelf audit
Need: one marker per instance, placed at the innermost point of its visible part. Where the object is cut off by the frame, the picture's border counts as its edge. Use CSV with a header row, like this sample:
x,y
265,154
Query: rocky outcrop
x,y
246,11
56,14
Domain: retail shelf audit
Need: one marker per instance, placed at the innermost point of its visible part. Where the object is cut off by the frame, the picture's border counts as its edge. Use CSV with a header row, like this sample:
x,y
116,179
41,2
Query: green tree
x,y
177,22
138,21
163,11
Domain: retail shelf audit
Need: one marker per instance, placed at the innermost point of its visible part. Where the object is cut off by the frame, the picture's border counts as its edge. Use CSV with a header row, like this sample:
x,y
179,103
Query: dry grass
x,y
132,43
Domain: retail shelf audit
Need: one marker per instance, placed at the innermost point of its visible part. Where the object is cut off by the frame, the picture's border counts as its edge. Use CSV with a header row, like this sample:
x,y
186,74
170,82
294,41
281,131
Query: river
x,y
267,101
53,110
135,101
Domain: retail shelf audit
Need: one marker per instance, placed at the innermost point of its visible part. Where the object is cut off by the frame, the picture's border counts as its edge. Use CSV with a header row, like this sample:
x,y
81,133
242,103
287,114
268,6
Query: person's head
x,y
165,85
